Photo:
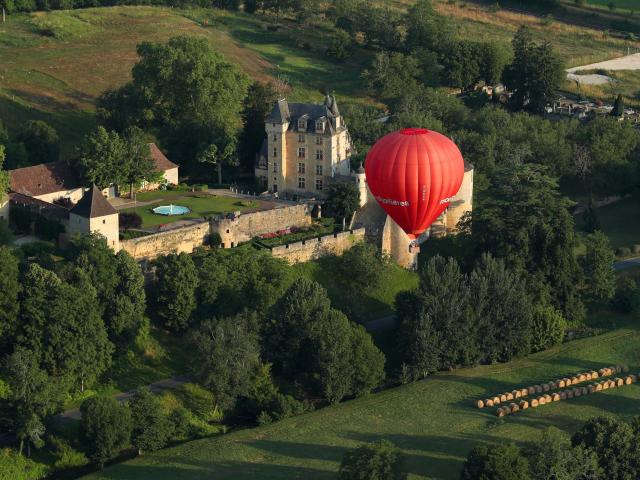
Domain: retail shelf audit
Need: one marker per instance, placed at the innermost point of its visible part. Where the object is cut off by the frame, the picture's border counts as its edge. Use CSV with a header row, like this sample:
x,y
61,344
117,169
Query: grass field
x,y
362,306
433,421
619,221
200,205
625,4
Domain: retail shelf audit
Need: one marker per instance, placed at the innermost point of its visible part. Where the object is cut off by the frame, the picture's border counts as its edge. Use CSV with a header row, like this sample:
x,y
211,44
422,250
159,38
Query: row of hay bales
x,y
566,394
553,385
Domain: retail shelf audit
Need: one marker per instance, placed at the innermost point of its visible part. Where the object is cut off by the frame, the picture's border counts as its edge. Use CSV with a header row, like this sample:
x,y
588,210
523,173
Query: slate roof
x,y
284,111
161,162
93,204
43,179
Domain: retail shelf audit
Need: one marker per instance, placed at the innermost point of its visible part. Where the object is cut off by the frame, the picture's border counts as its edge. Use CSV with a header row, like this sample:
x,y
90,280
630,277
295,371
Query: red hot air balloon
x,y
414,174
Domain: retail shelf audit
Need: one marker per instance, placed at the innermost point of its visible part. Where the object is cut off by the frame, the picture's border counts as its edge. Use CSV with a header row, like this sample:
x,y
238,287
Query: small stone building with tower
x,y
94,214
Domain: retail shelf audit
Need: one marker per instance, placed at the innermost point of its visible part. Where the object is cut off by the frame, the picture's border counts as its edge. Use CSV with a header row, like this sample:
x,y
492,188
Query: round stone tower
x,y
463,201
361,184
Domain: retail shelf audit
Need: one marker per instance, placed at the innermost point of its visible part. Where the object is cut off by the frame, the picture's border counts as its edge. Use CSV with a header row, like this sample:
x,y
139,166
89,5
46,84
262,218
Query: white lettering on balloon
x,y
396,203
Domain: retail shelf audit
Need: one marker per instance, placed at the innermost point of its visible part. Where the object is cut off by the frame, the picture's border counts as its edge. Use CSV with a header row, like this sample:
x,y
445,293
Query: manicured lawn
x,y
200,205
433,421
619,221
362,306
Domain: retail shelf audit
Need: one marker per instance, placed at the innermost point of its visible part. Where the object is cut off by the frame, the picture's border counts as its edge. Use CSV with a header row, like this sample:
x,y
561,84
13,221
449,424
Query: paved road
x,y
156,387
628,263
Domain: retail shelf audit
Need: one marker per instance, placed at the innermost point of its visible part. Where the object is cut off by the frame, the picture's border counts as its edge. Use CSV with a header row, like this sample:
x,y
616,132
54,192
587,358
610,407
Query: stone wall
x,y
184,239
314,248
249,225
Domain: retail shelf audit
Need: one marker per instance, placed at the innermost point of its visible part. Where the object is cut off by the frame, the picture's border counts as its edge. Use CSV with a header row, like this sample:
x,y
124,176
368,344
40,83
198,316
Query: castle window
x,y
104,222
318,184
301,168
319,155
301,152
318,169
300,182
302,124
275,152
275,168
320,126
275,137
318,140
301,138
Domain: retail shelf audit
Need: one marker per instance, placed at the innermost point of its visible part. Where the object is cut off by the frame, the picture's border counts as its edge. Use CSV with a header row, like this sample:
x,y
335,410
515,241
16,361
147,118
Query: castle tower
x,y
276,126
463,201
94,214
361,185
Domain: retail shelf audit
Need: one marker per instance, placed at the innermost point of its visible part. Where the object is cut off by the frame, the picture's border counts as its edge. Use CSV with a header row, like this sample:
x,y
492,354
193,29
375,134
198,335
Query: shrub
x,y
627,297
130,220
623,251
66,456
201,187
381,461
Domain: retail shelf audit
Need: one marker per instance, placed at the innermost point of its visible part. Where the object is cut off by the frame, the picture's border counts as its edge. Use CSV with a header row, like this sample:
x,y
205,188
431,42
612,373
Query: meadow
x,y
433,421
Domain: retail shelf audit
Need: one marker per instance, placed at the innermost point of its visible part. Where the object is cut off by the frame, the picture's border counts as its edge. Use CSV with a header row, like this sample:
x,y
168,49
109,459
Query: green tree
x,y
368,362
597,265
425,27
40,140
186,90
503,308
391,74
364,265
419,341
211,156
618,107
9,291
4,177
175,290
553,457
106,426
461,61
495,462
342,201
376,461
151,427
228,356
612,442
101,158
547,328
627,298
340,45
535,74
258,103
138,164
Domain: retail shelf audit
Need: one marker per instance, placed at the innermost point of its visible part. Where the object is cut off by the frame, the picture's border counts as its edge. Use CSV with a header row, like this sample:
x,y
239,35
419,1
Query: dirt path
x,y
628,62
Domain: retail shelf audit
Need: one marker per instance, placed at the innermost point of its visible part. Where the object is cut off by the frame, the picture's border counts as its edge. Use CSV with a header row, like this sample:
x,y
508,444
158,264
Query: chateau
x,y
305,148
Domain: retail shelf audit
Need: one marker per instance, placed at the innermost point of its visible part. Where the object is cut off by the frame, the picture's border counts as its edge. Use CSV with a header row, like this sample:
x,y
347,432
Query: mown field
x,y
633,5
433,421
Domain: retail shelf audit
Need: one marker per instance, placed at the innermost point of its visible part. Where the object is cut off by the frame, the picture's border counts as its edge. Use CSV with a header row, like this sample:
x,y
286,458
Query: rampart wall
x,y
303,251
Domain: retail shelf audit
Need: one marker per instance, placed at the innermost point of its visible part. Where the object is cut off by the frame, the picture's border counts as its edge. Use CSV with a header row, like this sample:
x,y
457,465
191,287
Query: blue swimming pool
x,y
171,210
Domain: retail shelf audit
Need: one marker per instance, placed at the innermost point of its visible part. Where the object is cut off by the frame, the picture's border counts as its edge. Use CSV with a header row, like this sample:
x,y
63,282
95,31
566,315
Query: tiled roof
x,y
161,162
284,111
93,204
43,179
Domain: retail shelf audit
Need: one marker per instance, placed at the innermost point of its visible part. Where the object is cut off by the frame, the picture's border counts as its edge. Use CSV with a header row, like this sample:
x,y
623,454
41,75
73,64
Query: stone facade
x,y
73,194
314,248
397,244
246,226
306,146
179,240
107,226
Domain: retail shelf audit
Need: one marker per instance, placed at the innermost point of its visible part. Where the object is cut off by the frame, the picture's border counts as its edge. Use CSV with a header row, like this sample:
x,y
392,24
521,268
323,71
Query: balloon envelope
x,y
413,174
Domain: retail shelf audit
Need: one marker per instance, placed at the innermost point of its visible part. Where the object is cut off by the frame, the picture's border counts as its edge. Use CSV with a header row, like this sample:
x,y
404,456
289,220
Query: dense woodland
x,y
267,344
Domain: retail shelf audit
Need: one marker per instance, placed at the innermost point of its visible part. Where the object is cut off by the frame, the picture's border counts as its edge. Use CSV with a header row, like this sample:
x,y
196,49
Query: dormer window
x,y
302,123
320,126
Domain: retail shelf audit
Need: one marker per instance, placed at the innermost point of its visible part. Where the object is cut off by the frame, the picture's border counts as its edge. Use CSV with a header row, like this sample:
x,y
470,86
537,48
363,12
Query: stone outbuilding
x,y
94,214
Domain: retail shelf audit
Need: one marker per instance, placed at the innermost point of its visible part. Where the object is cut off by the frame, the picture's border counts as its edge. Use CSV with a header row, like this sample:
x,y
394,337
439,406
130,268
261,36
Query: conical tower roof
x,y
93,204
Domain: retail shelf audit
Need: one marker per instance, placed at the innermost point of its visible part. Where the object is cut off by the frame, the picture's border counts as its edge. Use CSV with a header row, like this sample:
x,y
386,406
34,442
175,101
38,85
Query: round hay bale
x,y
582,377
534,403
538,389
625,369
509,396
587,376
561,383
542,400
480,403
516,393
496,400
503,398
619,382
501,412
531,390
599,387
618,368
594,374
577,392
569,393
567,382
614,369
592,389
612,384
563,395
524,392
488,403
602,372
633,378
584,391
545,387
548,398
605,385
514,408
574,380
523,404
628,381
555,397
